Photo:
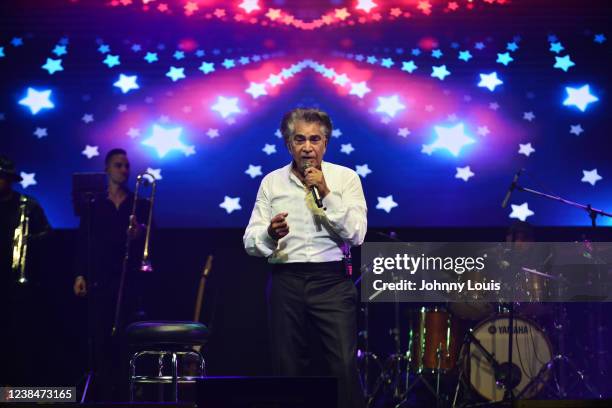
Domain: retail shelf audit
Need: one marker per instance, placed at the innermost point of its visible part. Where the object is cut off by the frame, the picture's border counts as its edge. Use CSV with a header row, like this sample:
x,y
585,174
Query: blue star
x,y
200,53
207,67
136,47
226,106
244,60
103,49
228,63
59,50
599,38
579,97
552,38
399,51
178,55
151,57
465,55
504,58
452,139
111,60
440,72
563,63
176,73
409,66
455,45
17,42
556,47
256,58
53,65
63,41
512,46
437,54
479,46
2,52
387,62
416,52
216,51
126,83
37,100
389,105
490,81
371,59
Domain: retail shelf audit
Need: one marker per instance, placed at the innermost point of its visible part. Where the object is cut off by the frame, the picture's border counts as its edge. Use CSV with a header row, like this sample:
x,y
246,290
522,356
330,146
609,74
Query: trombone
x,y
145,265
20,241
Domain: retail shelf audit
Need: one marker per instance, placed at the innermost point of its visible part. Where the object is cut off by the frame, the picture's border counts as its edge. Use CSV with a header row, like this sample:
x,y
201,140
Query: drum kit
x,y
473,353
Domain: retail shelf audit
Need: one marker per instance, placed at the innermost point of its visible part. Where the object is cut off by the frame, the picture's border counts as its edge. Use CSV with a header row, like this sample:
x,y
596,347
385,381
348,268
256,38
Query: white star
x,y
156,173
526,149
90,151
346,148
189,150
212,133
363,170
249,5
164,140
122,107
87,118
176,73
336,133
253,171
452,139
403,132
359,89
126,83
386,203
256,90
40,132
37,100
521,211
365,5
489,81
464,173
389,105
590,176
275,80
269,149
226,106
341,79
440,72
27,179
576,129
428,149
579,97
230,204
278,133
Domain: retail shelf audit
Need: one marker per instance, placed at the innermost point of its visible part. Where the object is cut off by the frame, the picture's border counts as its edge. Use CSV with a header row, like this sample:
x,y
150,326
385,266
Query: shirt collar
x,y
294,178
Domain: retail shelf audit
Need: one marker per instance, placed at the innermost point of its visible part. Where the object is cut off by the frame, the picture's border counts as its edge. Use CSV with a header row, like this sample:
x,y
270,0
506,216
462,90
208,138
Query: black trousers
x,y
318,297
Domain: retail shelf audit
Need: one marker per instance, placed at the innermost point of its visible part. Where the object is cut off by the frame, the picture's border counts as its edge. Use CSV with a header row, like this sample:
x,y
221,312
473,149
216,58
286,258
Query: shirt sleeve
x,y
256,240
346,211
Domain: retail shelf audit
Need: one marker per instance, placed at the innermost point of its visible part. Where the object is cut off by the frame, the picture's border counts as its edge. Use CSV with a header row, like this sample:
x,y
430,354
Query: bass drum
x,y
531,351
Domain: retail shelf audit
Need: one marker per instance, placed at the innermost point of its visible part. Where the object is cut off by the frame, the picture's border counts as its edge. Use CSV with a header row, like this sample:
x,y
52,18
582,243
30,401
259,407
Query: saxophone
x,y
20,242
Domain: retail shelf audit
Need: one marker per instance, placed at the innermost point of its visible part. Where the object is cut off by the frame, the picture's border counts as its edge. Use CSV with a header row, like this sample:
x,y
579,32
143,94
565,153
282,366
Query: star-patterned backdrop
x,y
435,104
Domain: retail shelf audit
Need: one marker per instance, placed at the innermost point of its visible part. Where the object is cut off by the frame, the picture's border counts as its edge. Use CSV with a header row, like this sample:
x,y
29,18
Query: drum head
x,y
530,352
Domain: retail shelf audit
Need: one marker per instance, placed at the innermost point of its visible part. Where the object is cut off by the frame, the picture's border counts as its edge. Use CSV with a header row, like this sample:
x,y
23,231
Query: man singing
x,y
305,244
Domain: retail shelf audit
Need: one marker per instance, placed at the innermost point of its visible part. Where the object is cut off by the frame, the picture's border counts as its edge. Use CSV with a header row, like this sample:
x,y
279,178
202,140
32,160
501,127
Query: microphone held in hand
x,y
313,189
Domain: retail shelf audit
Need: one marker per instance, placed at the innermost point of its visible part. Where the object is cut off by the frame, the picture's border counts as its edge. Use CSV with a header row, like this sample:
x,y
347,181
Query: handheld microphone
x,y
511,188
313,189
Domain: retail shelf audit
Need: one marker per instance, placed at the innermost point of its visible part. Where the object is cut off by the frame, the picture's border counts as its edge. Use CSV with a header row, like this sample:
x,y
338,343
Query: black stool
x,y
165,338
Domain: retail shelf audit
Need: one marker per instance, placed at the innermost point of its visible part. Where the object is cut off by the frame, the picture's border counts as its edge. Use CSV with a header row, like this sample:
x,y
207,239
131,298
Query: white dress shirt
x,y
315,235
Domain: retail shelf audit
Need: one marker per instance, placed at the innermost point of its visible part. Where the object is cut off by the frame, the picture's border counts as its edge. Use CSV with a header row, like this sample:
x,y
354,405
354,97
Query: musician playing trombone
x,y
112,223
23,224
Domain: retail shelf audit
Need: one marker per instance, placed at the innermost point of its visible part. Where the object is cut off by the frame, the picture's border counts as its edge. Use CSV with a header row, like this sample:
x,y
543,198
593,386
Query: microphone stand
x,y
593,212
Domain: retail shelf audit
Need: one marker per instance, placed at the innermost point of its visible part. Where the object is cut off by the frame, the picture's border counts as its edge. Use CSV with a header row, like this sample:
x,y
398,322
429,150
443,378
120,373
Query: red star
x,y
219,13
191,8
163,7
395,12
453,6
376,17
